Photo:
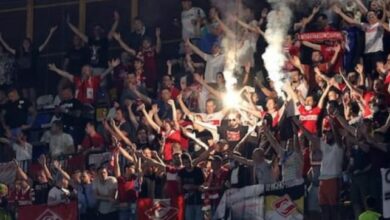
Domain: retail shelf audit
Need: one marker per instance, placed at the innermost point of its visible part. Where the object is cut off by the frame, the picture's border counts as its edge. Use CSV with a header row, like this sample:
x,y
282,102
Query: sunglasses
x,y
231,119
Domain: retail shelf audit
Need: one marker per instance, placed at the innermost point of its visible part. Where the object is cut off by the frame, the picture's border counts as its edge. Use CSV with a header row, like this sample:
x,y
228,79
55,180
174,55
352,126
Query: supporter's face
x,y
187,164
13,96
187,5
77,177
146,44
41,177
125,58
316,57
353,78
187,49
130,170
255,97
258,156
131,79
147,153
26,43
215,49
166,81
374,5
167,126
212,12
179,114
142,136
86,71
271,105
77,41
210,107
371,17
215,164
103,174
138,65
220,78
233,121
138,25
288,41
294,76
85,178
24,184
333,96
378,85
89,128
97,31
176,160
309,101
165,95
66,94
55,129
183,83
118,115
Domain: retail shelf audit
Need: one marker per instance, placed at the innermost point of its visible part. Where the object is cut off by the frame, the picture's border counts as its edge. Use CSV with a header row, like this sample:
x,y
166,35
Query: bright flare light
x,y
232,99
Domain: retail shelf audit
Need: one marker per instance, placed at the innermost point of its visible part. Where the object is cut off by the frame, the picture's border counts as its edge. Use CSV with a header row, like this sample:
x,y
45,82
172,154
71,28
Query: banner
x,y
162,209
321,36
7,173
45,212
386,192
243,203
98,159
284,200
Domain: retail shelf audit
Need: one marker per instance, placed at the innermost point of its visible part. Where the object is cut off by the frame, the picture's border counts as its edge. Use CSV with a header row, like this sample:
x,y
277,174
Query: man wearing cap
x,y
189,18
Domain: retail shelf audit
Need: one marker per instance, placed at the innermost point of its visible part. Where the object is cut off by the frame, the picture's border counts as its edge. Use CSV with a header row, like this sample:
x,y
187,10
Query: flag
x,y
386,192
44,212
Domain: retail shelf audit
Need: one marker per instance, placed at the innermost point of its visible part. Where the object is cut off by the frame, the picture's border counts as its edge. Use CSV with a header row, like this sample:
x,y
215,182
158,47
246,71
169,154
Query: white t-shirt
x,y
187,18
214,64
106,188
58,195
332,161
213,118
58,144
373,37
23,152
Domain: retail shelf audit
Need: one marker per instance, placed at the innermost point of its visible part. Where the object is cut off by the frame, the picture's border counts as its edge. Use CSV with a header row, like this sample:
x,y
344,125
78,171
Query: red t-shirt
x,y
328,53
96,141
309,118
171,138
86,90
171,188
126,190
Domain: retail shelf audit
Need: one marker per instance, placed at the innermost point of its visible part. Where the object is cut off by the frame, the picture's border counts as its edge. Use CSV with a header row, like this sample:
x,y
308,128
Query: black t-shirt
x,y
69,116
194,177
232,135
41,191
98,52
148,186
27,61
16,113
77,58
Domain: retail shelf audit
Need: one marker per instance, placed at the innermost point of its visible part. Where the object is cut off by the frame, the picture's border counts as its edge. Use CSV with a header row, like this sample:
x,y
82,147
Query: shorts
x,y
328,193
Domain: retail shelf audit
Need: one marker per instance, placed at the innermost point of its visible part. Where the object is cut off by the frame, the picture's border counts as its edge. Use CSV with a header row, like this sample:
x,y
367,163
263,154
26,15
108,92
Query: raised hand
x,y
171,102
141,107
114,63
53,29
116,36
57,164
158,32
359,68
155,109
116,16
52,67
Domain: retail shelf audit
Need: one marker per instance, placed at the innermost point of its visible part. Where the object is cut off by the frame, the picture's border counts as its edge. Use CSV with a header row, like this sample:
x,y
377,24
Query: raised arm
x,y
311,137
338,11
120,134
312,45
62,73
158,40
183,105
133,119
336,50
6,46
225,28
19,172
272,140
202,156
43,162
175,121
350,86
111,65
138,94
362,8
255,29
114,25
51,32
77,31
323,96
58,167
150,120
196,49
213,91
123,45
241,160
197,140
117,169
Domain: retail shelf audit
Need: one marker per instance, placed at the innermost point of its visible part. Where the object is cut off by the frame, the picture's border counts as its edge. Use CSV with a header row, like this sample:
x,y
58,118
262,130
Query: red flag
x,y
42,212
148,209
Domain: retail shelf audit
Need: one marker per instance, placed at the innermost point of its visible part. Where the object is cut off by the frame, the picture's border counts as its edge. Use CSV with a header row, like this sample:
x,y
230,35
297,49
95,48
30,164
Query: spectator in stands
x,y
93,141
27,62
98,44
105,188
43,182
7,68
60,143
140,32
190,17
86,197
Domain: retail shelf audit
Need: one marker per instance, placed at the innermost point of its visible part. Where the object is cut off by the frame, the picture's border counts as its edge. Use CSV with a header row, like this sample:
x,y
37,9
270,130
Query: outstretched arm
x,y
213,91
255,29
77,32
338,11
150,120
225,28
158,40
6,46
324,94
124,46
58,167
175,121
114,25
183,105
196,49
241,160
62,73
111,65
312,45
52,30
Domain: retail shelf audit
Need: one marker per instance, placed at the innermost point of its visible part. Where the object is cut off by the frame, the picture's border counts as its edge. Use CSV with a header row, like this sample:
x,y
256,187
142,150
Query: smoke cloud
x,y
279,21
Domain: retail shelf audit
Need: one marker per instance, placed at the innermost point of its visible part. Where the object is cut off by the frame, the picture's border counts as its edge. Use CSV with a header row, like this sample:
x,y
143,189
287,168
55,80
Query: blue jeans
x,y
128,213
193,212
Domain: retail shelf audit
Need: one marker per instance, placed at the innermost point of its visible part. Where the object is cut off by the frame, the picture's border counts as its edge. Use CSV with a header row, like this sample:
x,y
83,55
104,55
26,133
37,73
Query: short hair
x,y
322,16
101,168
370,202
186,156
211,100
58,123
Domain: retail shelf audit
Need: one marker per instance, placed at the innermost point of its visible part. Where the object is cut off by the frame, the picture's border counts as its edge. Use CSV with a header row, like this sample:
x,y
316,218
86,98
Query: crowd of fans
x,y
169,133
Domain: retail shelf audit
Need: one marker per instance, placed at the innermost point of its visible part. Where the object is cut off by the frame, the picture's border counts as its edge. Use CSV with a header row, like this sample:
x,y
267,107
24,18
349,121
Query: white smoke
x,y
279,21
